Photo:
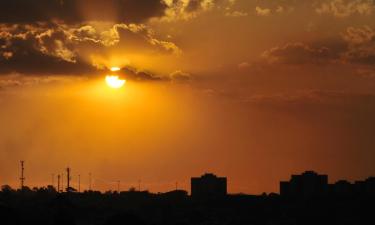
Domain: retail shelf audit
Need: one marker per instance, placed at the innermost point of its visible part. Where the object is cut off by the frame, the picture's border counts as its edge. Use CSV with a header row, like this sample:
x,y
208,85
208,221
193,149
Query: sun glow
x,y
115,69
114,81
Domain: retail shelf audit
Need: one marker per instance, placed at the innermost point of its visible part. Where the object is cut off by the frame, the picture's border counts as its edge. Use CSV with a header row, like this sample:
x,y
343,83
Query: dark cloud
x,y
57,48
193,5
361,45
299,53
131,73
355,46
77,11
33,62
39,49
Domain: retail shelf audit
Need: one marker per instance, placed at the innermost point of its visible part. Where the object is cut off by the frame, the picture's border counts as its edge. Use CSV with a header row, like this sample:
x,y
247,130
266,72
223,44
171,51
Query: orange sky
x,y
252,90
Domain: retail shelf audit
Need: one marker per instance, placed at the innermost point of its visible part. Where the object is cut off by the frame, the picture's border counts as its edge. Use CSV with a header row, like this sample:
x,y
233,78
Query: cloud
x,y
361,45
180,76
189,9
262,11
316,101
243,65
298,53
345,8
138,75
280,9
43,48
32,49
236,14
139,36
17,80
78,11
355,46
366,72
59,48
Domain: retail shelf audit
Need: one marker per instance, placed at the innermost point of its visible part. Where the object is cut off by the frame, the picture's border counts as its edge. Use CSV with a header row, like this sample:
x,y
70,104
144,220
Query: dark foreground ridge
x,y
305,199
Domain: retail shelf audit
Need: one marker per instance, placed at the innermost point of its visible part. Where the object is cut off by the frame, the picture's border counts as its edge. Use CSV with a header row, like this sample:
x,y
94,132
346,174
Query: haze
x,y
248,89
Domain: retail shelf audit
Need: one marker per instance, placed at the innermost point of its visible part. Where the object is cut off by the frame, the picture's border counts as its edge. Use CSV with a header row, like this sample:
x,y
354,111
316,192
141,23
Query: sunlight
x,y
113,81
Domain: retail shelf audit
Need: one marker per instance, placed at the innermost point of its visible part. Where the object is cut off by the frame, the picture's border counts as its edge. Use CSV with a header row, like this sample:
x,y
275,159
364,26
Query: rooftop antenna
x,y
68,179
22,178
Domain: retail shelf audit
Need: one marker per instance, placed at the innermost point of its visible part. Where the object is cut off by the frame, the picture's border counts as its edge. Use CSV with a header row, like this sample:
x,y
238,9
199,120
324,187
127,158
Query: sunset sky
x,y
254,90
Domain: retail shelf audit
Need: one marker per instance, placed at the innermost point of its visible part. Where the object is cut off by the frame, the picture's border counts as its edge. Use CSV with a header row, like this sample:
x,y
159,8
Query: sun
x,y
113,81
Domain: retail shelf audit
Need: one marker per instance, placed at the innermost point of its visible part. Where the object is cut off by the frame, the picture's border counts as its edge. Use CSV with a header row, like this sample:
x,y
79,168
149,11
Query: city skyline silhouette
x,y
315,183
187,112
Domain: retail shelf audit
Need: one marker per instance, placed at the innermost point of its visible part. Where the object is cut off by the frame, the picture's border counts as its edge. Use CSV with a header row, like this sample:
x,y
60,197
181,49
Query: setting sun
x,y
114,81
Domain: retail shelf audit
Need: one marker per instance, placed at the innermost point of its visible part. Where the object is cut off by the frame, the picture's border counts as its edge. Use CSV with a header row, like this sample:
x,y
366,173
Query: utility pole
x,y
53,180
22,178
118,186
139,185
68,179
58,182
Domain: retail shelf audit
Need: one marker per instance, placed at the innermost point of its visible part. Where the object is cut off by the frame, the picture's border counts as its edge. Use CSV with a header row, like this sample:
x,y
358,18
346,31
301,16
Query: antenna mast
x,y
68,179
22,178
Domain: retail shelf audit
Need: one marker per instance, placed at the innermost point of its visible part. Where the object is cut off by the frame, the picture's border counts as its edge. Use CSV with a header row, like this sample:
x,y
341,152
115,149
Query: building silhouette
x,y
341,188
308,184
208,186
366,187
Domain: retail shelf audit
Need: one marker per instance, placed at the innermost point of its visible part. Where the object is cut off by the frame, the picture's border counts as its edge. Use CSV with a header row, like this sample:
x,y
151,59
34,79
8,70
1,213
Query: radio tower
x,y
68,179
22,178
